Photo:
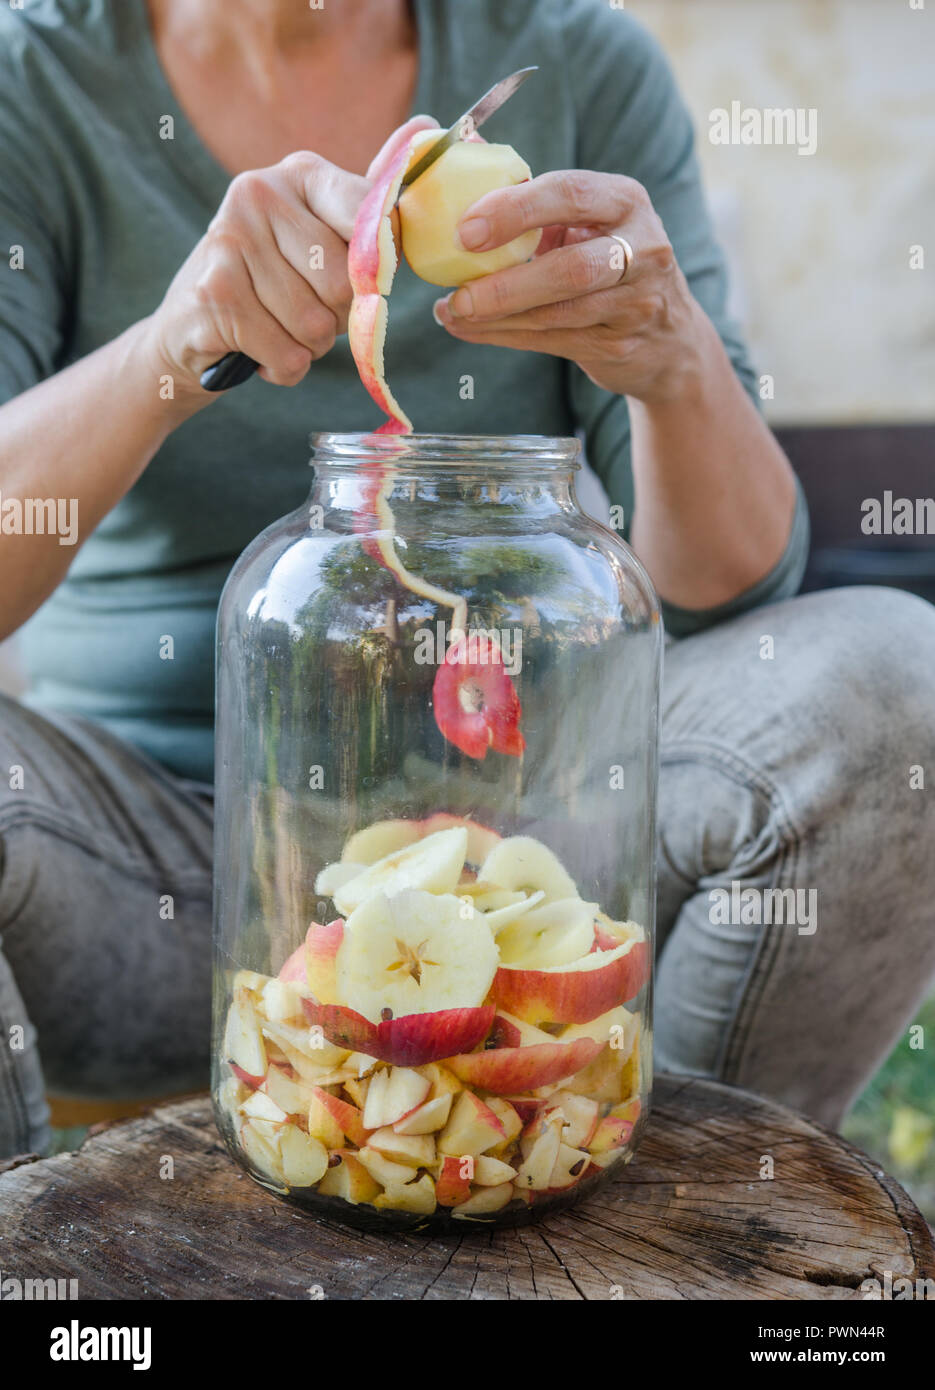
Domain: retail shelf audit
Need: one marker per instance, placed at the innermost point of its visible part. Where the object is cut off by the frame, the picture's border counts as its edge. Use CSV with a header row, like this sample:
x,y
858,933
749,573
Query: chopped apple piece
x,y
432,865
357,1090
507,1069
581,1116
536,1169
570,1166
348,1179
243,1040
617,1026
491,1172
392,1094
509,1118
384,1170
250,980
322,944
414,1150
304,1159
334,875
453,1185
611,1133
442,1081
417,1197
432,1115
262,1152
287,1092
484,1201
345,1115
310,1043
282,1000
471,1128
322,1124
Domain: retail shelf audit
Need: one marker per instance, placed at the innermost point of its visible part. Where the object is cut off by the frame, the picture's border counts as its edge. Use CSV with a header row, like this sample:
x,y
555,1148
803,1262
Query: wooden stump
x,y
690,1218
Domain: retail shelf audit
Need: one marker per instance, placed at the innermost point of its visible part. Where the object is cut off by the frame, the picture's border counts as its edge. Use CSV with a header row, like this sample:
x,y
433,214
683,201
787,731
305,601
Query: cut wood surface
x,y
691,1217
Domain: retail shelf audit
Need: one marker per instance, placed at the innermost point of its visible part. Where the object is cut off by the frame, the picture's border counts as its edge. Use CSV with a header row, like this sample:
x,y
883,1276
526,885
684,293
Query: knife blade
x,y
472,119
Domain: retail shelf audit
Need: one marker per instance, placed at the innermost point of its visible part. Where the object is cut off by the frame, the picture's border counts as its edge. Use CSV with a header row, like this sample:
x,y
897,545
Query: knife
x,y
236,367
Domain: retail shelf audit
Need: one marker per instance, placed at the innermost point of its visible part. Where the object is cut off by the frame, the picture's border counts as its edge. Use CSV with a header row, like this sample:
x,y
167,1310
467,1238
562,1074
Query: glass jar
x,y
436,772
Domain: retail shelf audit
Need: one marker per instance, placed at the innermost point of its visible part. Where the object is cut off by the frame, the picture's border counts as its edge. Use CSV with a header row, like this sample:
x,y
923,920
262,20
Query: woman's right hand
x,y
269,277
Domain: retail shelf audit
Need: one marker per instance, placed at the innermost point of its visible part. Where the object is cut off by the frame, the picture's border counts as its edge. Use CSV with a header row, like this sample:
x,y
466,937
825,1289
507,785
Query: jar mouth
x,y
532,453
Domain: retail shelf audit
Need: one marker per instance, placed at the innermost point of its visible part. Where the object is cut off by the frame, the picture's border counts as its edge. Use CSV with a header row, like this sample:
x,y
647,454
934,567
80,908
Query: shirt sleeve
x,y
631,120
33,216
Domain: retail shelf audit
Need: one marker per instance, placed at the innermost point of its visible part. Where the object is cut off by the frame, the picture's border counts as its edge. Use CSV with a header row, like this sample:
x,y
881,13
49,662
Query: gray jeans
x,y
798,770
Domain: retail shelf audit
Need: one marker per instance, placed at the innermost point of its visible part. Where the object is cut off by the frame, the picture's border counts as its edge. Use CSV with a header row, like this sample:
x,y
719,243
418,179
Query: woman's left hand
x,y
638,333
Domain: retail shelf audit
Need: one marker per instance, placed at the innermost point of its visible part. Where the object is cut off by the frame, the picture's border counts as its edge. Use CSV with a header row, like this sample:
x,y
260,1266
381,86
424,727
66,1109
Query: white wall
x,y
835,314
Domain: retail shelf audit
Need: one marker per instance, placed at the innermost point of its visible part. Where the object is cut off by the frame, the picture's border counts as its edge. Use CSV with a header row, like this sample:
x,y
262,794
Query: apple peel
x,y
409,1040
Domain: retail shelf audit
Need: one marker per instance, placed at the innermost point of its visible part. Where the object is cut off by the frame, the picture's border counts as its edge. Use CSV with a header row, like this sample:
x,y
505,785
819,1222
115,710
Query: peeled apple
x,y
431,208
429,212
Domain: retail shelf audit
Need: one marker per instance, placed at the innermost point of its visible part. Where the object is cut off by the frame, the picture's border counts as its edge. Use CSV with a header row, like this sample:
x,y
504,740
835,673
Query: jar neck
x,y
527,472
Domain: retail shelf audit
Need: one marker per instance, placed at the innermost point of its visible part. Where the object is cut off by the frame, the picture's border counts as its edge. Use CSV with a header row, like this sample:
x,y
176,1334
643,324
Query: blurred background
x,y
835,285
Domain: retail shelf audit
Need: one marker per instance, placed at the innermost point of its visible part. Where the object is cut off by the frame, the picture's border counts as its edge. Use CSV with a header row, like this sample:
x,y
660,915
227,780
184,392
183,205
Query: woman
x,y
159,216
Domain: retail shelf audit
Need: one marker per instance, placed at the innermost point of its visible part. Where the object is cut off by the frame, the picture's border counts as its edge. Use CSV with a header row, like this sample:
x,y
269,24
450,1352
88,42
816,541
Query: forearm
x,y
715,494
85,434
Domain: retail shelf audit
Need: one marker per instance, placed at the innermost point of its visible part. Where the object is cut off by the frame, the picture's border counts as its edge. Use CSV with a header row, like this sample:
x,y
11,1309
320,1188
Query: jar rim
x,y
530,452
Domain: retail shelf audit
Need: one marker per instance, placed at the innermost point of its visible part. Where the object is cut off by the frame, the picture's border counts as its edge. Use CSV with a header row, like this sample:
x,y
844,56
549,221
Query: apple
x,y
410,1039
357,1090
348,1179
384,837
417,1197
261,1150
260,1106
581,1117
480,838
574,993
506,1069
413,1150
536,1169
313,1048
243,1037
321,948
555,933
472,1127
491,1172
293,968
475,702
618,1026
570,1166
286,1091
304,1159
384,1170
323,1124
346,1116
611,1133
509,1118
249,980
431,208
282,999
252,1081
451,1187
392,1094
526,1107
426,1118
484,1201
442,1081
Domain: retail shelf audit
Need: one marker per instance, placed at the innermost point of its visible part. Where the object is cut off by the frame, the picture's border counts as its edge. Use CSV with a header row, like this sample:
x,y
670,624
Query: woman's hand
x,y
269,277
640,335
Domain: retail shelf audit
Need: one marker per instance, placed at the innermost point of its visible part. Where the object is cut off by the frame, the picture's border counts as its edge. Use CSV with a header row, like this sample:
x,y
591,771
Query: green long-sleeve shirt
x,y
105,210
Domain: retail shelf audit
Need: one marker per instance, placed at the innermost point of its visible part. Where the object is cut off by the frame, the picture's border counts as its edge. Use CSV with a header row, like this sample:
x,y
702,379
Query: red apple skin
x,y
320,951
407,1041
293,969
526,1107
450,1188
505,1069
346,1115
254,1082
571,996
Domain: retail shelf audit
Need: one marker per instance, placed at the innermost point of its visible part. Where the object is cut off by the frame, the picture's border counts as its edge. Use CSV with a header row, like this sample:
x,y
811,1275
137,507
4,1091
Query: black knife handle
x,y
232,370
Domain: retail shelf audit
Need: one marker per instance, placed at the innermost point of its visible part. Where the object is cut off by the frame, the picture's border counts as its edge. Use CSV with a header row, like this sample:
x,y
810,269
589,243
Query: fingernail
x,y
440,312
460,304
474,233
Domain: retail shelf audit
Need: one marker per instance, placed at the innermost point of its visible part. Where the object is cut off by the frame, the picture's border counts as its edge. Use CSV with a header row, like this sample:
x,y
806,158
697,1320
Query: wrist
x,y
697,359
169,394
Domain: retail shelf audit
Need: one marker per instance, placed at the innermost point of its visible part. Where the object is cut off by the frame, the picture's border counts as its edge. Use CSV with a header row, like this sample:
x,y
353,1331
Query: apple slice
x,y
520,862
348,1179
383,838
491,1172
345,1115
322,1124
413,1150
253,1082
411,1040
611,1133
416,1197
332,876
261,1106
282,999
308,1050
357,1090
558,933
618,1027
304,1159
243,1038
480,838
384,1170
286,1091
442,1081
574,993
509,1118
570,1166
471,1128
426,1118
433,865
536,1169
293,968
262,1152
452,1187
507,1069
581,1116
322,944
431,208
499,918
392,1094
249,980
485,1201
475,702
